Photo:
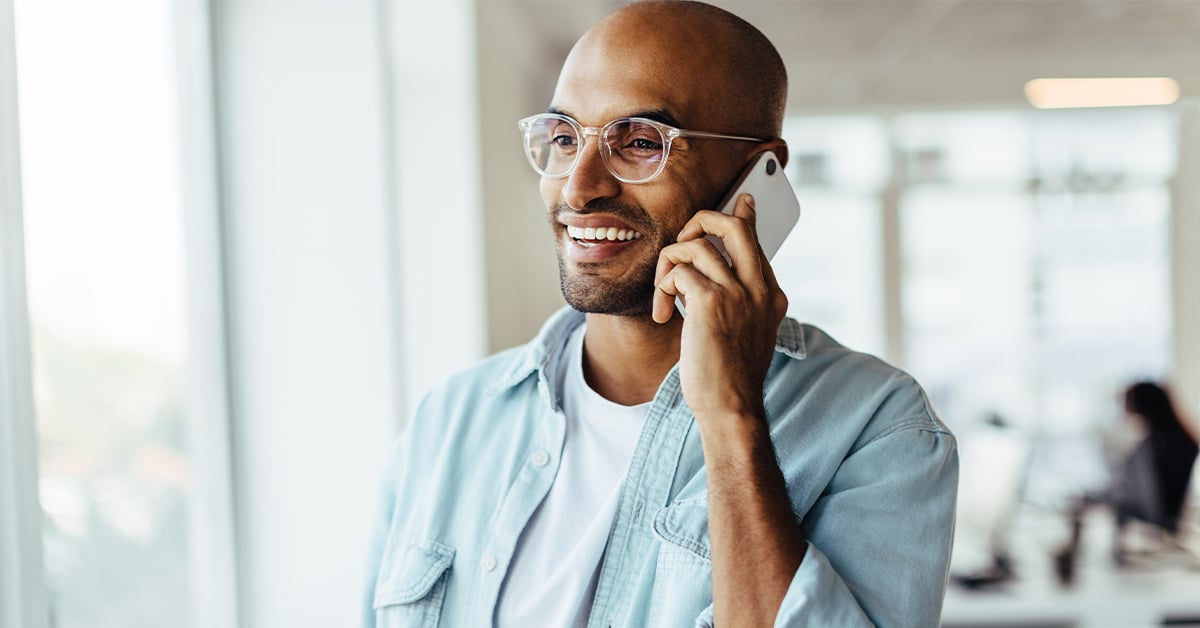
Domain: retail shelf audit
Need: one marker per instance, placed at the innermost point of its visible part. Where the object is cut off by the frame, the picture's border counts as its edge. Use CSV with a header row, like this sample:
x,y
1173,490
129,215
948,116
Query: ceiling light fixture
x,y
1059,93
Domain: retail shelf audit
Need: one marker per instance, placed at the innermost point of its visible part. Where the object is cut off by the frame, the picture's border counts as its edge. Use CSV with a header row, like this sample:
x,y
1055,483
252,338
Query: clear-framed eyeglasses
x,y
635,150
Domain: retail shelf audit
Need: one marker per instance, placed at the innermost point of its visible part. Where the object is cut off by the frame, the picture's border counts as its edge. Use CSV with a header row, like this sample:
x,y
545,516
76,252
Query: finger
x,y
662,307
743,210
682,281
779,298
768,272
746,210
702,254
736,233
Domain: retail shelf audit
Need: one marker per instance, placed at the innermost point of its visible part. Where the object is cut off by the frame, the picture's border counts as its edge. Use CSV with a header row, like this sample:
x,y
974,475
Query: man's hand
x,y
732,313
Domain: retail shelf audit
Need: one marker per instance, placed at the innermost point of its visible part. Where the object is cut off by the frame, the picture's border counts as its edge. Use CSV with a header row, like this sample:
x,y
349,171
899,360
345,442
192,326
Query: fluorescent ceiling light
x,y
1058,93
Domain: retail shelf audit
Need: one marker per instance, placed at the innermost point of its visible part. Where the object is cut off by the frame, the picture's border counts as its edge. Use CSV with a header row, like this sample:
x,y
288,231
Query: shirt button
x,y
488,563
541,459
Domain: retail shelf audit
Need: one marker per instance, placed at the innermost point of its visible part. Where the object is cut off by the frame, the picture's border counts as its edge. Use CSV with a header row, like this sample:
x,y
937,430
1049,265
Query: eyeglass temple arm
x,y
720,136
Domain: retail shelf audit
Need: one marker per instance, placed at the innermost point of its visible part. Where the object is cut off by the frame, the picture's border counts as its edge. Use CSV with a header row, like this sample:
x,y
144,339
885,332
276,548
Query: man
x,y
635,467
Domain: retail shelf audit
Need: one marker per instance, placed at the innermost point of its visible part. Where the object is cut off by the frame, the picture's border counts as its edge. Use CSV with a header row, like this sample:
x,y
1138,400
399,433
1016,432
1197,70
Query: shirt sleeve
x,y
879,538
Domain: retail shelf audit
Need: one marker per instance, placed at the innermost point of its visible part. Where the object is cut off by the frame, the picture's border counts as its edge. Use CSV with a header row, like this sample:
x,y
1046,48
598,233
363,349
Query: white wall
x,y
517,73
355,270
303,133
433,86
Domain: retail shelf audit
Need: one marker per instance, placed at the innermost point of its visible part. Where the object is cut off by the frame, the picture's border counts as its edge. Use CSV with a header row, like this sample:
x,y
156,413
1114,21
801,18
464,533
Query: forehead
x,y
615,72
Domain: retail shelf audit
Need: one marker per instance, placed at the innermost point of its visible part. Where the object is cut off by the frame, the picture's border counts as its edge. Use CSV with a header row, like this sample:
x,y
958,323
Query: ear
x,y
779,147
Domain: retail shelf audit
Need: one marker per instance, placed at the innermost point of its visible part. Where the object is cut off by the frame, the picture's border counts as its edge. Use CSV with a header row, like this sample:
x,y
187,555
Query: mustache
x,y
632,214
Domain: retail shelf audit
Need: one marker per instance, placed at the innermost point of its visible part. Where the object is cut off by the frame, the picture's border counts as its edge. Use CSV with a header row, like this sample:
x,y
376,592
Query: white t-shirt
x,y
552,579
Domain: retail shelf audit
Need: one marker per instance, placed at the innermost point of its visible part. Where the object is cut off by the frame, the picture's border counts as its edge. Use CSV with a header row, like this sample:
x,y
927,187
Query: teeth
x,y
610,233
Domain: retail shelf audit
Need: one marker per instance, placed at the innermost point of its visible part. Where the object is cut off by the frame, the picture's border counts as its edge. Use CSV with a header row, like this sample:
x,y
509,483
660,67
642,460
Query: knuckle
x,y
673,253
706,298
781,305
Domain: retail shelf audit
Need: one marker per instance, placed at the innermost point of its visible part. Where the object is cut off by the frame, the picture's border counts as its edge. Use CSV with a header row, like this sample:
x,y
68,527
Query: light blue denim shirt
x,y
871,472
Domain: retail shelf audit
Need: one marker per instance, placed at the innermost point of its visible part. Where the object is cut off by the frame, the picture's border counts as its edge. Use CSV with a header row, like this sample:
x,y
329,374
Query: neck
x,y
626,358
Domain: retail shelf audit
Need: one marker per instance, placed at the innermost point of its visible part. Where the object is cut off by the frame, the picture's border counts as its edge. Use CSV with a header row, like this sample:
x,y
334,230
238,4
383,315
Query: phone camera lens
x,y
770,166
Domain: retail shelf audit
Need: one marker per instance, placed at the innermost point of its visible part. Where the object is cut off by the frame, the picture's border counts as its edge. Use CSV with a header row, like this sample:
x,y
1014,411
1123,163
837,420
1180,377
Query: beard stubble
x,y
590,293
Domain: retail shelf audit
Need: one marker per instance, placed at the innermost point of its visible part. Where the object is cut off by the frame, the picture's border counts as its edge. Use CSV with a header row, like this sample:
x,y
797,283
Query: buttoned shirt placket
x,y
645,490
532,484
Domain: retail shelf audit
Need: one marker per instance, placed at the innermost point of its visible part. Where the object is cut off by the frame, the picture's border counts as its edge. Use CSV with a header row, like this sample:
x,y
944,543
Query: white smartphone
x,y
775,203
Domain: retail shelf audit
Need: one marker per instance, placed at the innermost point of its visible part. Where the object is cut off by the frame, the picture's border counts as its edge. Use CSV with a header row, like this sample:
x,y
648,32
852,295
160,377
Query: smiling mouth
x,y
590,236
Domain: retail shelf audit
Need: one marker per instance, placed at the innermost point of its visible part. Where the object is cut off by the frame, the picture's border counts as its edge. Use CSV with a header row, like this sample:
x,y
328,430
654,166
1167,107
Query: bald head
x,y
720,72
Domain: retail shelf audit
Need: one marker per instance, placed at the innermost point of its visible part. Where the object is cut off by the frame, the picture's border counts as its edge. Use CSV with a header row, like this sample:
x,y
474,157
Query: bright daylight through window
x,y
107,310
1026,246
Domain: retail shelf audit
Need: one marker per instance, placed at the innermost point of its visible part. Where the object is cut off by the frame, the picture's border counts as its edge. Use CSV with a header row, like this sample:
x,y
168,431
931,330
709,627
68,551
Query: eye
x,y
636,139
562,135
642,143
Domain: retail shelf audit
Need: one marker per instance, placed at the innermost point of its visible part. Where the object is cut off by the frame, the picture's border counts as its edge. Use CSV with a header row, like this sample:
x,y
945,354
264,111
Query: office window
x,y
102,206
830,267
964,284
1031,260
1035,267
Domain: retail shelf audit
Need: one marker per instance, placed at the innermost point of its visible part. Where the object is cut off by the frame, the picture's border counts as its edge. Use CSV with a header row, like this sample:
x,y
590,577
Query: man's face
x,y
611,76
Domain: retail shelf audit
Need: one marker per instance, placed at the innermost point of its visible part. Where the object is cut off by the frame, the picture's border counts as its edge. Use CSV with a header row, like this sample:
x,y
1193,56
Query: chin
x,y
596,296
640,310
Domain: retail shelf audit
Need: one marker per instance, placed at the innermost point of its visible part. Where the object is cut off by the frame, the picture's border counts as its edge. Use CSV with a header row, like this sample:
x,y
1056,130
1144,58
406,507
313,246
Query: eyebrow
x,y
658,115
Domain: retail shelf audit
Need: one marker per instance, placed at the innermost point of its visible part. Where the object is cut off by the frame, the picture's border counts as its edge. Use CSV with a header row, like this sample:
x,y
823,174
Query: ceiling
x,y
901,54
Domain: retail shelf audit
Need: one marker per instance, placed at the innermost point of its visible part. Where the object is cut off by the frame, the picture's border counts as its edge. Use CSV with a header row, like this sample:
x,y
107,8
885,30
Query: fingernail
x,y
750,201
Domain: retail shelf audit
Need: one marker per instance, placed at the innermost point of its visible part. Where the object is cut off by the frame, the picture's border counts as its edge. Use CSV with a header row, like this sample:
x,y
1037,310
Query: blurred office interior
x,y
238,239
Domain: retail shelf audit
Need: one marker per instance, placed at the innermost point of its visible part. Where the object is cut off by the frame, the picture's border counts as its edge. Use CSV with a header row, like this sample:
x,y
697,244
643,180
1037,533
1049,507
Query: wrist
x,y
729,407
732,431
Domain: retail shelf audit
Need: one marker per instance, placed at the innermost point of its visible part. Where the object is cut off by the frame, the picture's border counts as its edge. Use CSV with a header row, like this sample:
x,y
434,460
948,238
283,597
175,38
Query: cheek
x,y
675,205
551,190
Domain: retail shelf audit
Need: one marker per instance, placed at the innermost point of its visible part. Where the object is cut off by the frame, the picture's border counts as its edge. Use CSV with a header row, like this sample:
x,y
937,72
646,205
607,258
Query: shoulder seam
x,y
915,423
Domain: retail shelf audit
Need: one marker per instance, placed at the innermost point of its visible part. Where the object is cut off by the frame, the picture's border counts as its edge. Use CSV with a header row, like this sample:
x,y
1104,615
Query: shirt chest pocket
x,y
683,575
683,526
412,585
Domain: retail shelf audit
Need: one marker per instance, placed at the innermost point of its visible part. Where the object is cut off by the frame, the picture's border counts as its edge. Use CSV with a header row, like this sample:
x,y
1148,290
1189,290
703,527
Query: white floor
x,y
1155,590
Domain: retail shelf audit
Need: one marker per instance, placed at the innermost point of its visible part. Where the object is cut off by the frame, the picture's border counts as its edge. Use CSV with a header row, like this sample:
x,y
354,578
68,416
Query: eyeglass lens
x,y
631,149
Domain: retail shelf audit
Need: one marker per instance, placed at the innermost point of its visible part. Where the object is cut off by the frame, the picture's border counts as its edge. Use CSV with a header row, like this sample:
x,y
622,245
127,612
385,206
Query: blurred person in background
x,y
1152,482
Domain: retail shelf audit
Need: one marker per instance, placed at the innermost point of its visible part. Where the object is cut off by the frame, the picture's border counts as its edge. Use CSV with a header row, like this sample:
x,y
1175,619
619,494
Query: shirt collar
x,y
536,355
789,339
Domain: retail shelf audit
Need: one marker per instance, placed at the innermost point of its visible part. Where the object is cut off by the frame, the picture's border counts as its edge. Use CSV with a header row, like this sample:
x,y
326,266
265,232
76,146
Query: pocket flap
x,y
685,524
412,573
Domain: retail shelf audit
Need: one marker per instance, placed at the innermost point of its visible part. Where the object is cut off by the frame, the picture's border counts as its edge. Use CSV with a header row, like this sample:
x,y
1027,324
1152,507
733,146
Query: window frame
x,y
212,530
24,598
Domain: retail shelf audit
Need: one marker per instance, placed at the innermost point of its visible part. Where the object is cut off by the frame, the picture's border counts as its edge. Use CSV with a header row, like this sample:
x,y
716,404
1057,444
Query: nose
x,y
591,179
